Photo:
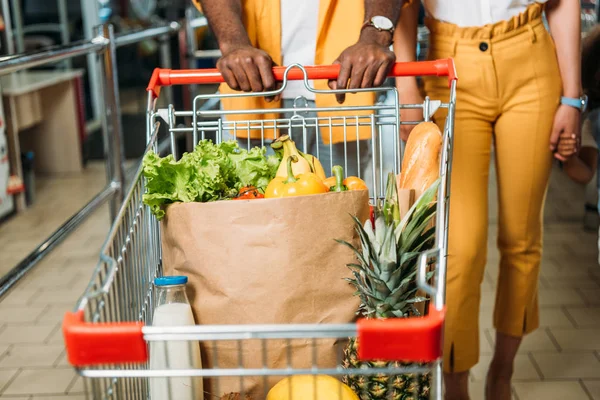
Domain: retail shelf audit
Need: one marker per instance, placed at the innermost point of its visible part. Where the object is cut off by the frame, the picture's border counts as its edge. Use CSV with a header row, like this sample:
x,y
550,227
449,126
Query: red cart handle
x,y
168,77
404,339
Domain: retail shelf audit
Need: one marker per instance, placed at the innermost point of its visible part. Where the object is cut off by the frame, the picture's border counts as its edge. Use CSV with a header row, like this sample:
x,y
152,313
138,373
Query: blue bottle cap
x,y
170,280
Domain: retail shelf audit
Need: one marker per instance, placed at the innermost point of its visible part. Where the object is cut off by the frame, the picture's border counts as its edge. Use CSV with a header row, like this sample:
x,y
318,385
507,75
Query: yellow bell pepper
x,y
355,183
301,185
350,183
338,175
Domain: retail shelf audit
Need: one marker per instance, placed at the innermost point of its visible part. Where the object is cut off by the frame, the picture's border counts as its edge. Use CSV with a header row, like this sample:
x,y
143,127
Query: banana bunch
x,y
307,163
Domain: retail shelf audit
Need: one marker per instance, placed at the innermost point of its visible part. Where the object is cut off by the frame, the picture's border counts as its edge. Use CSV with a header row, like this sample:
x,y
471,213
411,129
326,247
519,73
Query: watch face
x,y
382,23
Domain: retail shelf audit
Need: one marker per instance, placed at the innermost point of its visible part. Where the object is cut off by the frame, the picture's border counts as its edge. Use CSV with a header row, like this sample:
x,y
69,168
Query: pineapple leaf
x,y
398,314
416,226
425,240
357,252
391,208
387,255
424,201
417,300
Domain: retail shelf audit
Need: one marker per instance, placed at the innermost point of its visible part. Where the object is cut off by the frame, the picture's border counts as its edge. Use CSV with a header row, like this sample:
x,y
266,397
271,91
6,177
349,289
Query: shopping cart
x,y
107,335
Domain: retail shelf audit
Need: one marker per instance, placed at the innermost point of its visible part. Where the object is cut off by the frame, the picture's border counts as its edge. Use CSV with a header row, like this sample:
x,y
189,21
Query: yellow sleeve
x,y
199,7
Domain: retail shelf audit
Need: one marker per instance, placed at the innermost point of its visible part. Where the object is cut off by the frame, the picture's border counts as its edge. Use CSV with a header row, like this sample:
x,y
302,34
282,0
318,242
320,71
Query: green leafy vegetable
x,y
209,173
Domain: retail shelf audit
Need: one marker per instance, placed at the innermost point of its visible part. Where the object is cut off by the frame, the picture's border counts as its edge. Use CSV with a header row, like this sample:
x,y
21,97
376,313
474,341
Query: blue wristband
x,y
580,104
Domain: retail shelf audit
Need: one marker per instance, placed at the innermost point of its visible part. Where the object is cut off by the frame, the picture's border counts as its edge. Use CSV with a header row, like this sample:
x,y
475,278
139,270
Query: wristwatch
x,y
381,24
580,103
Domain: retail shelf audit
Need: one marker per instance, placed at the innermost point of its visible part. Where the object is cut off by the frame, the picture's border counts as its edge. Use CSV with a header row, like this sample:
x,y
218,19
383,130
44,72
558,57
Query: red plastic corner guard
x,y
95,344
403,339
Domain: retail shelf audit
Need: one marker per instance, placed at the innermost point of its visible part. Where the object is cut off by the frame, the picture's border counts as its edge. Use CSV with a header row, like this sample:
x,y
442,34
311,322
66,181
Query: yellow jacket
x,y
339,27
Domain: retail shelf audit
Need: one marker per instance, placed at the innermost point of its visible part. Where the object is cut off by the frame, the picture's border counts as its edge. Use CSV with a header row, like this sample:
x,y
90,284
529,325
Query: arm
x,y
243,66
565,25
367,63
405,44
581,168
405,47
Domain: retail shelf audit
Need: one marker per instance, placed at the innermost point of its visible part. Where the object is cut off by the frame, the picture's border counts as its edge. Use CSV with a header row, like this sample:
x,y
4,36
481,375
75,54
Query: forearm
x,y
405,43
385,8
565,25
225,20
581,168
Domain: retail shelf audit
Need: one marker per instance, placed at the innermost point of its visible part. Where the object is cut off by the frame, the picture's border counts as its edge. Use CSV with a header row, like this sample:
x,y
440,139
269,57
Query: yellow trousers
x,y
508,90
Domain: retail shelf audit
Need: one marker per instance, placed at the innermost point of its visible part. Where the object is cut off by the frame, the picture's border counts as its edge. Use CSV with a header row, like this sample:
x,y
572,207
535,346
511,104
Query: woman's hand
x,y
566,122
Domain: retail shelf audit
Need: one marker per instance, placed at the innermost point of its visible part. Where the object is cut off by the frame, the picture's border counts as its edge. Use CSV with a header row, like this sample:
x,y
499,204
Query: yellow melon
x,y
311,387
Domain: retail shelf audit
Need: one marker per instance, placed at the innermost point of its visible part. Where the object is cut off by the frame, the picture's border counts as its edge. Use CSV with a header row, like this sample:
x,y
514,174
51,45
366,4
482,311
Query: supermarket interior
x,y
84,230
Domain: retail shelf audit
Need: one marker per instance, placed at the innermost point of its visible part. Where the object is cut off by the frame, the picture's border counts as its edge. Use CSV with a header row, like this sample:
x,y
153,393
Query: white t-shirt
x,y
476,12
299,21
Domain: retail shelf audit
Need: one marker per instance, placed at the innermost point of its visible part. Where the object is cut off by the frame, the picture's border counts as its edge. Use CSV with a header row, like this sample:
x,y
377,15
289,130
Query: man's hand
x,y
365,64
248,69
567,124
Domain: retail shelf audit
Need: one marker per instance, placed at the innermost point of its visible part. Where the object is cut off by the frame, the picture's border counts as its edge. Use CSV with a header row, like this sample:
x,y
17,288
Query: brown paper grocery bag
x,y
268,261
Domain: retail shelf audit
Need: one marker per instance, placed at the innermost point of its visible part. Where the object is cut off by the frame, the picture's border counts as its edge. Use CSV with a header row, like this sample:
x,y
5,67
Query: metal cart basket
x,y
108,334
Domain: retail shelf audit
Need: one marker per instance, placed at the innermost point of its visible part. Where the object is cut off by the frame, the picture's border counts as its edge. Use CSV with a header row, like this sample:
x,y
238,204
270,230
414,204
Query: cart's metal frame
x,y
121,288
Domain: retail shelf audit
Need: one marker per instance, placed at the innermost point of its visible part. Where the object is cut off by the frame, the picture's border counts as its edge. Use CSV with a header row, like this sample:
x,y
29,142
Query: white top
x,y
299,21
476,12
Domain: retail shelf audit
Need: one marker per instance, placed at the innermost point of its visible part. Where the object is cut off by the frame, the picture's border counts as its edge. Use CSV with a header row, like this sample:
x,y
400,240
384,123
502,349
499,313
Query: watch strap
x,y
372,24
578,103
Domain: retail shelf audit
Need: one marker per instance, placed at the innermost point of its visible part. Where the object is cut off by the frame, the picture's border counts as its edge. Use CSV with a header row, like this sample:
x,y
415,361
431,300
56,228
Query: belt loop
x,y
454,46
532,32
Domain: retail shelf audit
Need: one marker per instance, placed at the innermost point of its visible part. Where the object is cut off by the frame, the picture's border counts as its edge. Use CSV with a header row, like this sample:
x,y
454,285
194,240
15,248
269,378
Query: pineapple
x,y
385,281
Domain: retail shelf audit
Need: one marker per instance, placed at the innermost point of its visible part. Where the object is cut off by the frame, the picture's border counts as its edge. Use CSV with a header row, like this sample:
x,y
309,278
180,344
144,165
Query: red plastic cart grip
x,y
402,339
167,77
96,344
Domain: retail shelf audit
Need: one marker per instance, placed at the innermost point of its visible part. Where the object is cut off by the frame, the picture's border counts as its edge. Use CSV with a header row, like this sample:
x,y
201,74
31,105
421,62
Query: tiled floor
x,y
32,359
559,361
56,200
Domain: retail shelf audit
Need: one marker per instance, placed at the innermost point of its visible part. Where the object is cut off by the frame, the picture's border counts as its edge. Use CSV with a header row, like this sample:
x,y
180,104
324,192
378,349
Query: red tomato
x,y
248,193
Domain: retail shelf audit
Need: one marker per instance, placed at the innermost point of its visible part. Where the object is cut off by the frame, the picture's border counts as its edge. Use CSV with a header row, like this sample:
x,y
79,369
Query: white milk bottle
x,y
173,309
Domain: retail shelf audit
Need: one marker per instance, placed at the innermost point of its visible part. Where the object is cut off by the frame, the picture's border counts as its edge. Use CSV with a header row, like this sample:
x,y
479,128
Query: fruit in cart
x,y
315,165
338,184
249,193
385,280
355,183
421,162
313,162
289,150
351,182
303,184
311,387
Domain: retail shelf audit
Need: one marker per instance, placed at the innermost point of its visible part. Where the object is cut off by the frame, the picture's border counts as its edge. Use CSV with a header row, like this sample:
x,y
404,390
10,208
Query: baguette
x,y
421,162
